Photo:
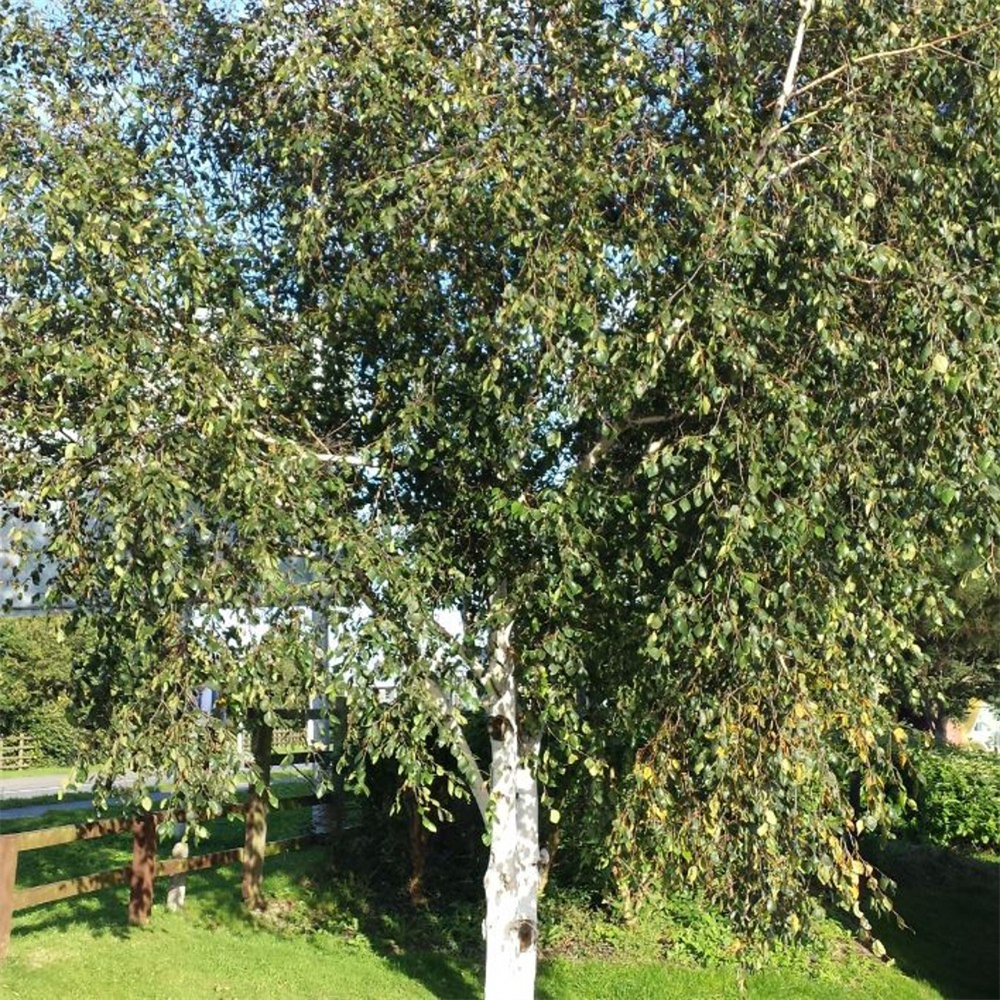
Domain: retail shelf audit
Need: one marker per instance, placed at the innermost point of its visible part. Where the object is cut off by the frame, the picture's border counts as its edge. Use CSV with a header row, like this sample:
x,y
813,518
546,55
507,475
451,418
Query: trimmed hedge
x,y
958,798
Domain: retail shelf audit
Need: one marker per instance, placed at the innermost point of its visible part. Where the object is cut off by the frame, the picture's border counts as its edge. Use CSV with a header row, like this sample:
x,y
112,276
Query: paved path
x,y
36,785
22,812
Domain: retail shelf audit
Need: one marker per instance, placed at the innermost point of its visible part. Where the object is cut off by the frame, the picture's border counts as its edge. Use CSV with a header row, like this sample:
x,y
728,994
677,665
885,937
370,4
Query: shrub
x,y
958,798
36,663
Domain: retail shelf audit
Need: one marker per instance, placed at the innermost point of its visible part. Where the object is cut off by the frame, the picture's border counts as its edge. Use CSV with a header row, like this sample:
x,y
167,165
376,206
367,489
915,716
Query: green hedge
x,y
37,657
958,798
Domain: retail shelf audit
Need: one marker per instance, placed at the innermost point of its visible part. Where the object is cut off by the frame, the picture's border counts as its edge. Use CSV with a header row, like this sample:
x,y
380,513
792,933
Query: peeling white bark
x,y
512,877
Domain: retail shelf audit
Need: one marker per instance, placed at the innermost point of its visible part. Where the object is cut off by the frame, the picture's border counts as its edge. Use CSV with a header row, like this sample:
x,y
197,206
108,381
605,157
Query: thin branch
x,y
603,446
467,762
795,164
606,443
375,602
788,87
907,50
320,456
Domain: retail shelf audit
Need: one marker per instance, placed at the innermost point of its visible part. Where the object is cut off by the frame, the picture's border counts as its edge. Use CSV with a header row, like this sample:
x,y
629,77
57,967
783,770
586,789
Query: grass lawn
x,y
16,801
330,935
951,904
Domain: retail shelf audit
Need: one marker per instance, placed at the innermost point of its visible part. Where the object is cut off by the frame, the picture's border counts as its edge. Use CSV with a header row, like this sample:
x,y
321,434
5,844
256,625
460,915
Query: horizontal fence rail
x,y
145,867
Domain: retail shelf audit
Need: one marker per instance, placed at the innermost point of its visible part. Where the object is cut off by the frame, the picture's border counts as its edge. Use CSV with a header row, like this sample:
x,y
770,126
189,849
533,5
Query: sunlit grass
x,y
951,904
331,933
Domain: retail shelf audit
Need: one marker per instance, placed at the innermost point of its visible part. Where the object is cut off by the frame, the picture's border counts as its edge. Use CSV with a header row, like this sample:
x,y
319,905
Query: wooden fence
x,y
18,752
290,737
145,867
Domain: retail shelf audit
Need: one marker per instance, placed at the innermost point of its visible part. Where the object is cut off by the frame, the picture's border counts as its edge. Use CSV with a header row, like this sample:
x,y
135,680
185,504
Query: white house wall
x,y
26,572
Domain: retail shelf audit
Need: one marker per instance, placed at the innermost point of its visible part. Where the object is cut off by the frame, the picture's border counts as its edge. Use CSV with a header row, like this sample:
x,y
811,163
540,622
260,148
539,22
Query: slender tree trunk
x,y
941,727
512,878
255,834
419,838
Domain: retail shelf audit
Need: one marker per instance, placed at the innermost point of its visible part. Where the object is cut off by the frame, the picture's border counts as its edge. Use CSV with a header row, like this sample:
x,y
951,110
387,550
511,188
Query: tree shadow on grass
x,y
951,903
438,948
307,897
102,913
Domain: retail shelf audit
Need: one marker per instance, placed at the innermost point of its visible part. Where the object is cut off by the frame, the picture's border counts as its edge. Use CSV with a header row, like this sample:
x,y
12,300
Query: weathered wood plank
x,y
67,888
31,840
8,874
53,836
175,866
18,751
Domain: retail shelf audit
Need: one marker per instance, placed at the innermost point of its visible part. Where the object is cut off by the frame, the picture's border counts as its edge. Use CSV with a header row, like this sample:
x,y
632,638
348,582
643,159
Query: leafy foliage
x,y
634,327
957,798
963,658
37,659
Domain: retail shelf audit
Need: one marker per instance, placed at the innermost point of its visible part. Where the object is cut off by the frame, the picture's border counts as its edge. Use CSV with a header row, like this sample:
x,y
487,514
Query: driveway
x,y
35,785
41,786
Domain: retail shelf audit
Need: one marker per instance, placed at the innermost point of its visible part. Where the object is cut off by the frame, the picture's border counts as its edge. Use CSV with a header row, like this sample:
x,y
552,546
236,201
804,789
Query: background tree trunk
x,y
255,840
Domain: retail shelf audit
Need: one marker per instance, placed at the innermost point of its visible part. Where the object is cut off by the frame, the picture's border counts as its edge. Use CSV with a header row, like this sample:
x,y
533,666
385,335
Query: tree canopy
x,y
659,340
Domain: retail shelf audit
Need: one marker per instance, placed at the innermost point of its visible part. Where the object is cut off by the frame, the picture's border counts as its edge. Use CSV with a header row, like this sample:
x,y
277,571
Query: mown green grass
x,y
951,904
16,801
332,934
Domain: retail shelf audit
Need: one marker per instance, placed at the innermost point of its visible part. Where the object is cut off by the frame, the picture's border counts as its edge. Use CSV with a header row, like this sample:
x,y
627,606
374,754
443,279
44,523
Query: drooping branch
x,y
445,711
467,762
815,156
358,461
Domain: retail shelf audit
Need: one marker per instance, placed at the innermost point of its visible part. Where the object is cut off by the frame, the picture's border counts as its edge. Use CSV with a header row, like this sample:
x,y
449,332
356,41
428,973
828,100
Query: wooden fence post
x,y
8,874
140,904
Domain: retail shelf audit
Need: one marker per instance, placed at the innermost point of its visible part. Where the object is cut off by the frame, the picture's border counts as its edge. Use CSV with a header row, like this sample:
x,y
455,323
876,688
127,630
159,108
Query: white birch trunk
x,y
512,877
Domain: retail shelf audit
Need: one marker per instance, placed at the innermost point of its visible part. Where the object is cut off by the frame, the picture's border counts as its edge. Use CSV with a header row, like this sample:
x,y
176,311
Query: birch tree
x,y
655,343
